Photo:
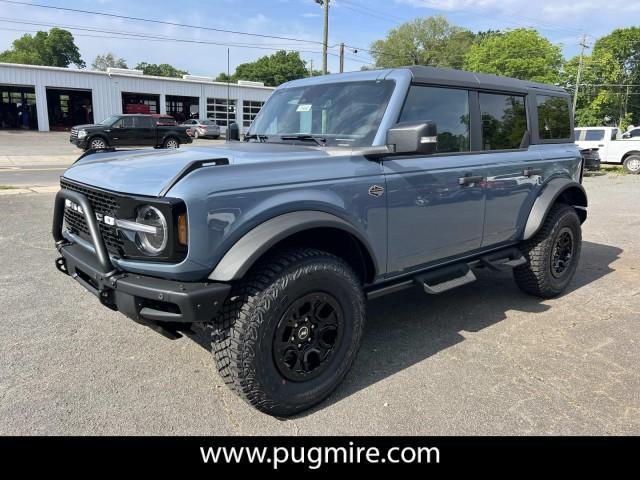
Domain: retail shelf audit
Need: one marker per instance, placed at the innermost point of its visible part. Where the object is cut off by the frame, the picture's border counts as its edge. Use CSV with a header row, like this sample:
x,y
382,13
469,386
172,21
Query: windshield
x,y
110,120
343,114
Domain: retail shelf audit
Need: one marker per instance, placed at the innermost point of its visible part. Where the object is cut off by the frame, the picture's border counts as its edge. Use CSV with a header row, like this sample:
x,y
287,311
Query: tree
x,y
423,41
108,60
521,53
272,70
161,70
55,48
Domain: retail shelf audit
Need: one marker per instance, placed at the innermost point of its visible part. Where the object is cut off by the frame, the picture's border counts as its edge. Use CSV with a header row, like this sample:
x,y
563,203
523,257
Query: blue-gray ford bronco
x,y
345,188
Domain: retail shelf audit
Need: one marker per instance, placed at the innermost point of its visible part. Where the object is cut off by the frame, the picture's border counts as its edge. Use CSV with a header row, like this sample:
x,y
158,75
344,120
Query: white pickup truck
x,y
611,147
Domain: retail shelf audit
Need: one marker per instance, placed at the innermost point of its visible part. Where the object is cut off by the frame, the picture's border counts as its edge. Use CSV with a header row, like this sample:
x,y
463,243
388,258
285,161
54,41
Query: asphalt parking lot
x,y
482,359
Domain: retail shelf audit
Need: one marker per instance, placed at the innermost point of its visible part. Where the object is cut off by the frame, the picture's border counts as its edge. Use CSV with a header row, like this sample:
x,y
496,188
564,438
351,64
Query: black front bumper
x,y
148,300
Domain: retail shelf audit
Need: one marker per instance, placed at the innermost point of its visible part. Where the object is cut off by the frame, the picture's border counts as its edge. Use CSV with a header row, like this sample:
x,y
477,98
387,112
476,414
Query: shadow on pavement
x,y
410,326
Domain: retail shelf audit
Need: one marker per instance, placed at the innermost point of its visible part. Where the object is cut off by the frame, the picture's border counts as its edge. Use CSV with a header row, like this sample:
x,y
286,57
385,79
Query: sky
x,y
357,23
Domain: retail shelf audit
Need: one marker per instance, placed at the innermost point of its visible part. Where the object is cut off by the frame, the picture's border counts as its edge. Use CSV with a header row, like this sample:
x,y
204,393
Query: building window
x,y
504,121
251,109
553,117
448,107
218,110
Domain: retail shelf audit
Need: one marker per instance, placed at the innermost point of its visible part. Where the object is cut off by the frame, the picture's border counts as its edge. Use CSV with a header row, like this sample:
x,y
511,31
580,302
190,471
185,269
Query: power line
x,y
162,22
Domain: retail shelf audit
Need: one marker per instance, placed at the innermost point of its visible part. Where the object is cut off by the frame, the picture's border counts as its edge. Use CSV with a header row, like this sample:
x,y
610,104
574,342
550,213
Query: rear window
x,y
144,122
553,117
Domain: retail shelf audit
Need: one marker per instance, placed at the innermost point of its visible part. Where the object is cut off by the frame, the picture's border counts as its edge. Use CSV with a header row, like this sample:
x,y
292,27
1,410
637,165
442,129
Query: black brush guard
x,y
159,303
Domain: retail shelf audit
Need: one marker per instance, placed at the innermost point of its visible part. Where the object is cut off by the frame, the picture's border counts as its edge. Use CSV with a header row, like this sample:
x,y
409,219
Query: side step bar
x,y
445,278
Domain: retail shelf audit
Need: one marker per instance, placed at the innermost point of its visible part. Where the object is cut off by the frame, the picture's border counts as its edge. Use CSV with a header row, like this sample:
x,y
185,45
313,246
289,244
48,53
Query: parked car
x,y
345,188
610,148
591,159
158,131
632,133
202,128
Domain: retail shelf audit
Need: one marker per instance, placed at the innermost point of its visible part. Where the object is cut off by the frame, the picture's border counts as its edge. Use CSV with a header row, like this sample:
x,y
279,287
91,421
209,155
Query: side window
x,y
449,108
635,133
504,121
578,134
124,122
553,117
594,135
144,122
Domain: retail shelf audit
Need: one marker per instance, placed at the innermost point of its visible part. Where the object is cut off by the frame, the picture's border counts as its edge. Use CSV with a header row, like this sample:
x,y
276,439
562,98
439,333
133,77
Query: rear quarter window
x,y
553,117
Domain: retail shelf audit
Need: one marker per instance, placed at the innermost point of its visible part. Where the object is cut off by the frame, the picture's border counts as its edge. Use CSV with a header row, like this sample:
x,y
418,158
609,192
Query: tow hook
x,y
61,265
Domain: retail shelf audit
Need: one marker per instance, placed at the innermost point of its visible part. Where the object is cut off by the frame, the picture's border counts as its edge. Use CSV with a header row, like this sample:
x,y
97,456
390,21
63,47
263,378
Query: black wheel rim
x,y
562,252
308,336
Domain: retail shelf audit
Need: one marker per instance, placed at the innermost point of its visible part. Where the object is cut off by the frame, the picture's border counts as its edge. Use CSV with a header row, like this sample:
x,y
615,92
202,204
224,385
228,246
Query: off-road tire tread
x,y
533,277
246,307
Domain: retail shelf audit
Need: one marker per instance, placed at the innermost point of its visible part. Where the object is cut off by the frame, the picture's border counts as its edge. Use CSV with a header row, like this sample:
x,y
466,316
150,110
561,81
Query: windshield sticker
x,y
304,107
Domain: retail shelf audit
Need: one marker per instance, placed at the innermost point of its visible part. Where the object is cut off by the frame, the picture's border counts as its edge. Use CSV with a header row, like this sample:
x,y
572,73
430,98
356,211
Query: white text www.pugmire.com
x,y
315,457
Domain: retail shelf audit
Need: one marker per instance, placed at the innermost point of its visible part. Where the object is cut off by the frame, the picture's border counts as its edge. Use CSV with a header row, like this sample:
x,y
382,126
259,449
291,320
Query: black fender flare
x,y
571,192
249,248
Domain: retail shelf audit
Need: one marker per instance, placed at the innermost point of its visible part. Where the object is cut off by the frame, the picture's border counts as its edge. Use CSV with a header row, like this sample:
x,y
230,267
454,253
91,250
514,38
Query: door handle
x,y
469,179
529,172
601,145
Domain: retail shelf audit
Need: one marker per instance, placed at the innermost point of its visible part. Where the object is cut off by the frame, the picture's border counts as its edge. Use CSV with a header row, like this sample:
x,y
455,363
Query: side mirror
x,y
409,138
233,132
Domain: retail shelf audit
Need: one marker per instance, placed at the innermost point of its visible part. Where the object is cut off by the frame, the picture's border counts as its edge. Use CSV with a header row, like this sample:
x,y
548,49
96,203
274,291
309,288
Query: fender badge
x,y
376,190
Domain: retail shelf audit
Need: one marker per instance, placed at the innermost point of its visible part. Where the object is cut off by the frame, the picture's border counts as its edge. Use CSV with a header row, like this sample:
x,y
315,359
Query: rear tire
x,y
632,164
552,254
171,143
290,331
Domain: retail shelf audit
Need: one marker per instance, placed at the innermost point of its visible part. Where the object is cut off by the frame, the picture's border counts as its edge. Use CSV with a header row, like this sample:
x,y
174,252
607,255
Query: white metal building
x,y
52,98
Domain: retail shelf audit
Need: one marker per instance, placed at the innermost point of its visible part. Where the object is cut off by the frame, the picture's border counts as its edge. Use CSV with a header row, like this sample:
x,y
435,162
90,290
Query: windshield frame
x,y
400,80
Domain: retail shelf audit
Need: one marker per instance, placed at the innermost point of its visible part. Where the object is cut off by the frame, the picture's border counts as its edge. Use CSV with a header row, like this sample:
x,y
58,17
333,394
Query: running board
x,y
447,278
452,276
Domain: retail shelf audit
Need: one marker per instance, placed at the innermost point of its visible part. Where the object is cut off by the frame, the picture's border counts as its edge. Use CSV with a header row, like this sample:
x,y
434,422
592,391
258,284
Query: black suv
x,y
129,131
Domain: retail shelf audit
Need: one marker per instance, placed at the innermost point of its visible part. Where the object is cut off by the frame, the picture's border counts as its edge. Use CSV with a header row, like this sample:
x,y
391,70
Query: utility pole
x,y
341,57
583,45
325,42
311,69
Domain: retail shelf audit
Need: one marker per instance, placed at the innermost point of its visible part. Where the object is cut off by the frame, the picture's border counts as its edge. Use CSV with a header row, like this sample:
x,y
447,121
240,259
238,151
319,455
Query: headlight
x,y
82,133
152,243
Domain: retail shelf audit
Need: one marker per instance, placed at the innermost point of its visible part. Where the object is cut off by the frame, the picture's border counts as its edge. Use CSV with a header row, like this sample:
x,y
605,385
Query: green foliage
x,y
55,48
108,60
272,70
423,41
161,70
521,53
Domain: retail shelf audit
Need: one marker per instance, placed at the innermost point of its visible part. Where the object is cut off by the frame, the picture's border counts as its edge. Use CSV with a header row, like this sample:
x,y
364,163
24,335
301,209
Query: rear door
x,y
514,169
436,202
145,130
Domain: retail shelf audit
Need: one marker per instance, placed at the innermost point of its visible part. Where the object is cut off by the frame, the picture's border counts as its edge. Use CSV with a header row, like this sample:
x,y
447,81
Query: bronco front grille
x,y
74,134
102,203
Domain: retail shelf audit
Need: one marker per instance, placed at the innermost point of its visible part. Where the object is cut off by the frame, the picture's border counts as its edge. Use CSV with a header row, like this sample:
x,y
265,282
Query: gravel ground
x,y
482,359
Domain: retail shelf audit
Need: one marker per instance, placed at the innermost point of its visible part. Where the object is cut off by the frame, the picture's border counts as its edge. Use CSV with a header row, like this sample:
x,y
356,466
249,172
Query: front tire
x,y
290,331
552,254
97,143
632,164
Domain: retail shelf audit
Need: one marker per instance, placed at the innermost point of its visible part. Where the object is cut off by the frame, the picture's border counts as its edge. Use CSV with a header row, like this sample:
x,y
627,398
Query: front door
x,y
122,132
435,203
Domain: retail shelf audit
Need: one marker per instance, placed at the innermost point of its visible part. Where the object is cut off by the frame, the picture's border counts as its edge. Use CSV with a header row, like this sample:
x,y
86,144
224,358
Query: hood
x,y
86,125
148,172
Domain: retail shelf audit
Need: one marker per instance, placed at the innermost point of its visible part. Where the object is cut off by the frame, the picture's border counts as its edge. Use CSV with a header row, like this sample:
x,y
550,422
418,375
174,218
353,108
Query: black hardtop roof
x,y
461,78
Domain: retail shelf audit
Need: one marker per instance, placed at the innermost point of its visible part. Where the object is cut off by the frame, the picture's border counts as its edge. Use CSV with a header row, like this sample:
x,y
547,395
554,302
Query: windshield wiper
x,y
305,138
256,136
